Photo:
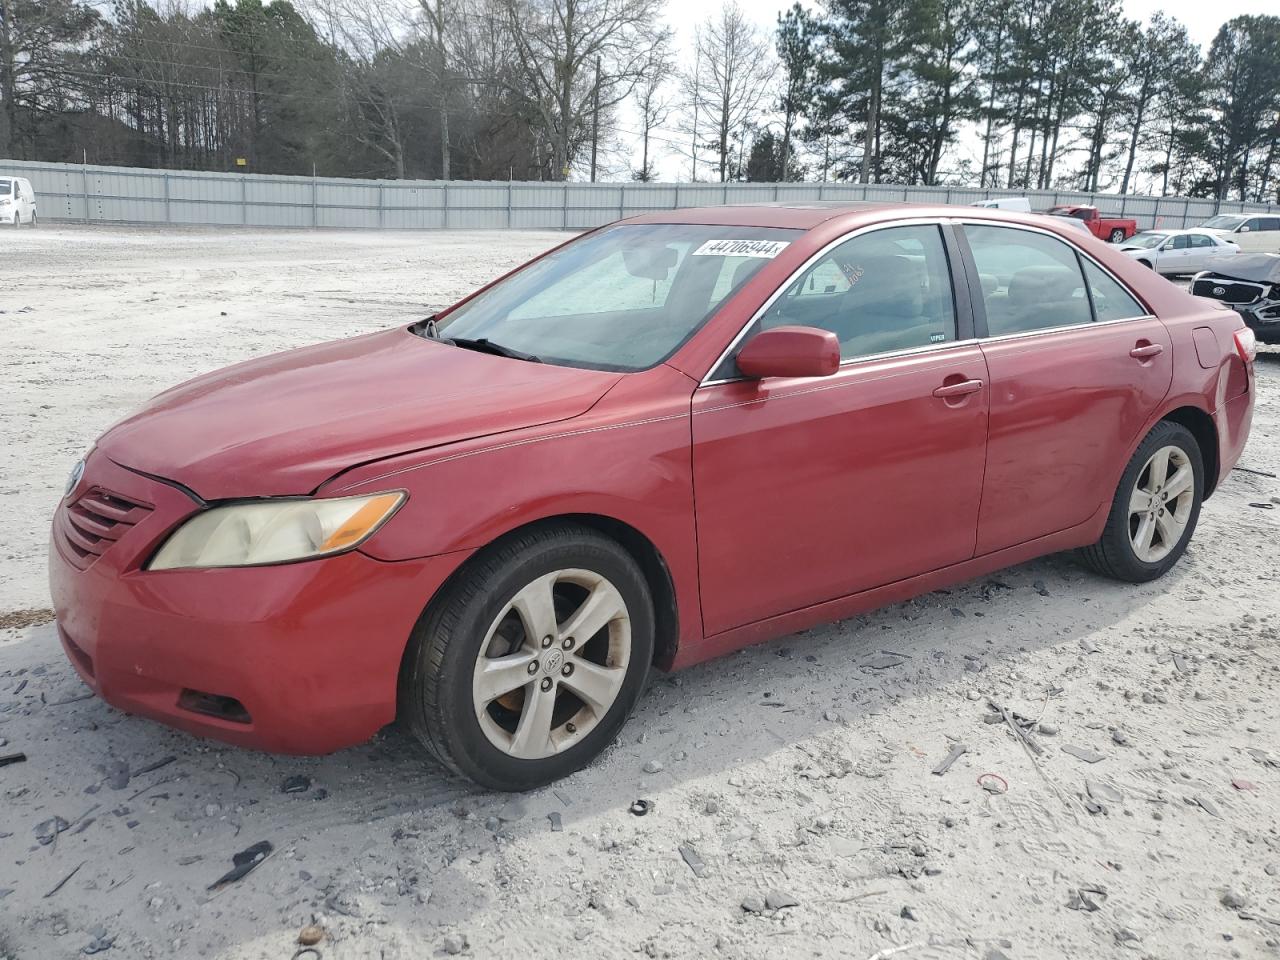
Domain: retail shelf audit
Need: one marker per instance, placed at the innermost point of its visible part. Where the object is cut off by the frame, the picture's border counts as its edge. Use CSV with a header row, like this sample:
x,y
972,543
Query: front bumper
x,y
309,652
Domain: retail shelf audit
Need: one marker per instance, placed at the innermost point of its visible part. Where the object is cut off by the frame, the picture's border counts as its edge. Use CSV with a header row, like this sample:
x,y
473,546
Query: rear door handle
x,y
1146,351
961,389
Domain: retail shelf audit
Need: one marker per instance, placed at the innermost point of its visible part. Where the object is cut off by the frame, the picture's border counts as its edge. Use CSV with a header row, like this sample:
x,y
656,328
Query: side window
x,y
880,292
1181,242
1030,281
1251,225
1201,240
1110,300
1270,224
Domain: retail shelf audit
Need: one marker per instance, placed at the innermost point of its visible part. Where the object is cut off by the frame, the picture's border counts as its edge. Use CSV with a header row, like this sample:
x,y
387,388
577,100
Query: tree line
x,y
1031,94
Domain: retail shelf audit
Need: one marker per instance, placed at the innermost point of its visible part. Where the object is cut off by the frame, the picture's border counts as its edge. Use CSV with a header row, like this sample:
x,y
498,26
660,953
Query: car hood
x,y
284,424
1258,267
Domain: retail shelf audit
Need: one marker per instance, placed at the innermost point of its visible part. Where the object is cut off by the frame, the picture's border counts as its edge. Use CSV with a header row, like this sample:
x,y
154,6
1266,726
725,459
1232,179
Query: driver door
x,y
811,489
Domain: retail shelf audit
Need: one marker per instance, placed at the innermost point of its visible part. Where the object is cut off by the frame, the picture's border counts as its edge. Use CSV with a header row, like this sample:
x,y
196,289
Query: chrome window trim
x,y
1024,334
927,221
814,258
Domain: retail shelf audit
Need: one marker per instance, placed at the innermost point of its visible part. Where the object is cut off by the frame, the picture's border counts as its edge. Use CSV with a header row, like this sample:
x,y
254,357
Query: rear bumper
x,y
310,652
1233,420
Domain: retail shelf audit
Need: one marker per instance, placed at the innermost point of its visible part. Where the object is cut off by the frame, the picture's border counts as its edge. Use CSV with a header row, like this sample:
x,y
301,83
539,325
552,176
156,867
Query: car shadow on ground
x,y
142,800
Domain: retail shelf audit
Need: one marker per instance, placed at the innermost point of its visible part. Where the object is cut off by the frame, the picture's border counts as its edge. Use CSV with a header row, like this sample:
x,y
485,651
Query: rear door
x,y
811,489
1076,370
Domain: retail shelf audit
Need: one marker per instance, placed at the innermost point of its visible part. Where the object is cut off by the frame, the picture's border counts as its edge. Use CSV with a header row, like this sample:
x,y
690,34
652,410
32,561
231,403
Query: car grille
x,y
1232,291
91,525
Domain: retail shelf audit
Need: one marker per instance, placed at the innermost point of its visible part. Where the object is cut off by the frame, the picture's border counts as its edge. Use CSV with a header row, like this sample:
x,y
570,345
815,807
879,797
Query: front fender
x,y
628,459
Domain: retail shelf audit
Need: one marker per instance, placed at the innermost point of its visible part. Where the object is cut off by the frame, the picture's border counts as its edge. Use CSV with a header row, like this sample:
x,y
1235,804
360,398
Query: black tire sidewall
x,y
467,744
1118,545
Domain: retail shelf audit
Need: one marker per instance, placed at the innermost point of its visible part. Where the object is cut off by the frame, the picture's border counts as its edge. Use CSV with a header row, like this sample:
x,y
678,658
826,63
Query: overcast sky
x,y
1201,17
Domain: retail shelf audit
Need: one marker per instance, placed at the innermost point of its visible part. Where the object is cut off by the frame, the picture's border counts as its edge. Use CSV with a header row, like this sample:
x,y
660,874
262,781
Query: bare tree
x,y
732,77
654,105
557,45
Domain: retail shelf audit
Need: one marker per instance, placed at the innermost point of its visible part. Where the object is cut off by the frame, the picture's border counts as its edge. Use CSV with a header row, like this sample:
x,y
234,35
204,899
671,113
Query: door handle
x,y
1145,351
949,390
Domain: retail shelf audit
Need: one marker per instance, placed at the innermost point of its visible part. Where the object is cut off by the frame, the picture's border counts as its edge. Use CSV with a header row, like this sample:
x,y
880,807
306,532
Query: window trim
x,y
961,297
982,331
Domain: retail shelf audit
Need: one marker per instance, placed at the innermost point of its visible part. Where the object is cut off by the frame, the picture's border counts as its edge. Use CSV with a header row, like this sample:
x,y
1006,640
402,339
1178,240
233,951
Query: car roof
x,y
795,214
848,215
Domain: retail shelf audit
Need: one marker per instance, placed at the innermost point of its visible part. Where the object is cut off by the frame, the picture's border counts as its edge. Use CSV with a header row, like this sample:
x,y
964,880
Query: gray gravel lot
x,y
794,811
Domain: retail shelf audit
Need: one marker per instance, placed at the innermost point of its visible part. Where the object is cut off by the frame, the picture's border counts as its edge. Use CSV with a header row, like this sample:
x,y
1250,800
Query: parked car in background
x,y
865,402
1253,233
1171,252
1017,204
1111,229
17,201
1250,285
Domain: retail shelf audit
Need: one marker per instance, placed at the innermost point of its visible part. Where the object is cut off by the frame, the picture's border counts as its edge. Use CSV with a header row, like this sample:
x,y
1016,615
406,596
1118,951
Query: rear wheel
x,y
1155,509
1117,235
527,667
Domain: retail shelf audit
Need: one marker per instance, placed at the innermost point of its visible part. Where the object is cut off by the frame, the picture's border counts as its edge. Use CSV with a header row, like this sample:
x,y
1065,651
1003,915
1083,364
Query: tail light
x,y
1246,345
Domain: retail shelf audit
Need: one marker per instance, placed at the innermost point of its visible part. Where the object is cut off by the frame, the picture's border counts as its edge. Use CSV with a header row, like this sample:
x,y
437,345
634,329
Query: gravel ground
x,y
793,808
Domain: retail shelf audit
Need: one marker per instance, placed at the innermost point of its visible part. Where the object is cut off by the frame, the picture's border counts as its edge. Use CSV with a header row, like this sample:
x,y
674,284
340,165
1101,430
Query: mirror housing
x,y
790,352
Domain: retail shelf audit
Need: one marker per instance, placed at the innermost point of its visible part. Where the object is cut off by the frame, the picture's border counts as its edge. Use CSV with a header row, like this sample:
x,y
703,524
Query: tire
x,y
1117,552
17,220
474,623
1117,235
33,221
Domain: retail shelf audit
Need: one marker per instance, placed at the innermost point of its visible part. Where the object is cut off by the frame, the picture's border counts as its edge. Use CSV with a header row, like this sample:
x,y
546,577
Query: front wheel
x,y
527,666
1117,235
1155,509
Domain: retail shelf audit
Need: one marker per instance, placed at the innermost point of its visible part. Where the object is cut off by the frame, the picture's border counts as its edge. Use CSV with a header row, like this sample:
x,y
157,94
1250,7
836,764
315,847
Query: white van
x,y
1017,204
17,201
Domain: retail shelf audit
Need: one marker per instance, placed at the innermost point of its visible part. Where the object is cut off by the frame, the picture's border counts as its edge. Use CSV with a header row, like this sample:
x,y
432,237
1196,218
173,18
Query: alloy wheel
x,y
1161,503
552,663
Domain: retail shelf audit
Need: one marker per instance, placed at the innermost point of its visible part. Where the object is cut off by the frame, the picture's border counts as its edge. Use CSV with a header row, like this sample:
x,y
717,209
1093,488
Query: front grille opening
x,y
83,660
212,705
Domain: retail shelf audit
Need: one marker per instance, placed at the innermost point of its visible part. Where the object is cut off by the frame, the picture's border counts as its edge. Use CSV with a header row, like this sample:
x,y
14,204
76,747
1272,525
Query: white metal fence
x,y
135,195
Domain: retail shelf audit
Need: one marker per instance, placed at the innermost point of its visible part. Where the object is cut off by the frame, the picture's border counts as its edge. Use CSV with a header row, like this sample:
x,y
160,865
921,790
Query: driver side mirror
x,y
790,352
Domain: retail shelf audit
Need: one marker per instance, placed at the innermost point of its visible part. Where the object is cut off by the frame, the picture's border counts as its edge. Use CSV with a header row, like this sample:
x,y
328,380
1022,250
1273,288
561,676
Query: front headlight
x,y
275,531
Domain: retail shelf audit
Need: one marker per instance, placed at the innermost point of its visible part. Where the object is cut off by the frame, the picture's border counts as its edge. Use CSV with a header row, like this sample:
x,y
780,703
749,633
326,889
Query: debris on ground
x,y
10,758
958,751
639,808
1087,898
310,935
694,861
993,783
780,900
1082,753
243,863
295,784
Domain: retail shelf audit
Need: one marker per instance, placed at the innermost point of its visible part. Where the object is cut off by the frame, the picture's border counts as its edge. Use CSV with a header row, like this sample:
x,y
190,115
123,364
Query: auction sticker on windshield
x,y
763,249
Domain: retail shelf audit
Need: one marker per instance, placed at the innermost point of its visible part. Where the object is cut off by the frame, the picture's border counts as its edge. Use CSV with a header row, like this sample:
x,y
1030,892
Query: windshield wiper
x,y
485,345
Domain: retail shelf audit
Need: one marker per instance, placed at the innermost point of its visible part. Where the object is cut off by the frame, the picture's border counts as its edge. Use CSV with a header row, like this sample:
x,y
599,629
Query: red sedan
x,y
664,440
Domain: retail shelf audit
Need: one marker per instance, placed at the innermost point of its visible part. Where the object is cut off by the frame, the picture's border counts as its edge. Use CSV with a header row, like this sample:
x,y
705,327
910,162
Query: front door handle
x,y
949,391
1145,351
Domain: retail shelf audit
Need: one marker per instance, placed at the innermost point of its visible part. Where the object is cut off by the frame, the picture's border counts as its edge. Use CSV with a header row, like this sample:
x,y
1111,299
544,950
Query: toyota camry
x,y
658,442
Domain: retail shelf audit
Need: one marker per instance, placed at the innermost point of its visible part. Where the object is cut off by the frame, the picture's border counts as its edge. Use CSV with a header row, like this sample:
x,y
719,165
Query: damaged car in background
x,y
1250,285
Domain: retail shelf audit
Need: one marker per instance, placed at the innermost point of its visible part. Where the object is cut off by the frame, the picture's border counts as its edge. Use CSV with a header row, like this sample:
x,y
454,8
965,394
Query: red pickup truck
x,y
1111,229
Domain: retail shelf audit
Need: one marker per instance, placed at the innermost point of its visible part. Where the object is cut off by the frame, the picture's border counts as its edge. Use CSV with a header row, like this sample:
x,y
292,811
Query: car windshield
x,y
1079,213
6,187
624,298
1222,223
1146,240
